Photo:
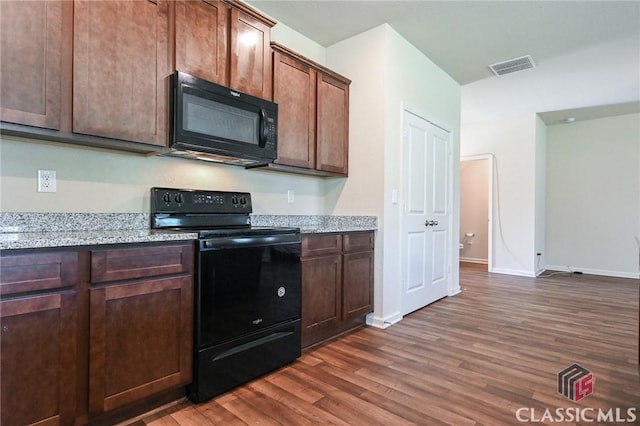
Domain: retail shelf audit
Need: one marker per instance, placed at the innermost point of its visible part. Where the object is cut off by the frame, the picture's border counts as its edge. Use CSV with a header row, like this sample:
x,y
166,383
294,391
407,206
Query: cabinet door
x,y
121,64
333,125
201,39
294,92
357,286
251,60
321,297
33,36
38,360
140,340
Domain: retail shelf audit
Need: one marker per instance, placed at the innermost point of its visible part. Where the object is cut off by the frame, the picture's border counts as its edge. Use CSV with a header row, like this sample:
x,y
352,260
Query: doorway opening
x,y
476,212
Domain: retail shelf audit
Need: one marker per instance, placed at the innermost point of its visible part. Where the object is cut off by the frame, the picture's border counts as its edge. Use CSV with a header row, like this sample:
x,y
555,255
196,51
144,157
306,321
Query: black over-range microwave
x,y
215,123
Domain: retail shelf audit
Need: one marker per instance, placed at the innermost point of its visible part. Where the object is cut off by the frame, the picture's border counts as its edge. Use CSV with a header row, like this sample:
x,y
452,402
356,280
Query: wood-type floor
x,y
473,359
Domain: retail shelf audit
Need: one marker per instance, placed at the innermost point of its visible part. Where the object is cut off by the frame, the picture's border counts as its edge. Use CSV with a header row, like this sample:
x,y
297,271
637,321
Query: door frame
x,y
406,108
490,164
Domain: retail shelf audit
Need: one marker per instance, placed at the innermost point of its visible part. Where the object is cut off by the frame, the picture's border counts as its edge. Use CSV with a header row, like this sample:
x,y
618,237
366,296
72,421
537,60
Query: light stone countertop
x,y
318,224
45,230
28,240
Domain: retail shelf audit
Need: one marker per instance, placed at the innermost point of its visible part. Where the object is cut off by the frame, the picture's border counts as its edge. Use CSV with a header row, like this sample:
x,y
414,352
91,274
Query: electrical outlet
x,y
46,181
290,196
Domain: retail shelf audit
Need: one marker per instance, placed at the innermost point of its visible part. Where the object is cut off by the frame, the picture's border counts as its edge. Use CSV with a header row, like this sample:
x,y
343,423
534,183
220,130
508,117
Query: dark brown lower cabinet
x,y
140,324
38,339
140,339
38,360
337,284
116,322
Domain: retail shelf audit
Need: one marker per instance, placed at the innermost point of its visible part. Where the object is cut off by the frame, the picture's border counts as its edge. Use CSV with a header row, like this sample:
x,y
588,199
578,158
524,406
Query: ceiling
x,y
465,37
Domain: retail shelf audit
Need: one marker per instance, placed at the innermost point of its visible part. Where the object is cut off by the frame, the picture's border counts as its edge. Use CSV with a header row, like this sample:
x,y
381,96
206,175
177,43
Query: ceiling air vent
x,y
513,65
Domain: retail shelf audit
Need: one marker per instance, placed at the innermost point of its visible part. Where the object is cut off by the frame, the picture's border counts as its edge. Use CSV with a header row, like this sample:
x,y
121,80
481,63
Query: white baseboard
x,y
454,291
517,272
589,271
388,321
473,260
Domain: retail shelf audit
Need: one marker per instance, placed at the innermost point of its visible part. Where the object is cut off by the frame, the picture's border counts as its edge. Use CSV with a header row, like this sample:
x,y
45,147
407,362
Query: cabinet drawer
x,y
358,241
321,244
36,272
140,262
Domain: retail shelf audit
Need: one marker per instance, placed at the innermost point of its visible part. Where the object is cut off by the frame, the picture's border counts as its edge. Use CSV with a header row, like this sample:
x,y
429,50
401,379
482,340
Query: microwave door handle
x,y
263,129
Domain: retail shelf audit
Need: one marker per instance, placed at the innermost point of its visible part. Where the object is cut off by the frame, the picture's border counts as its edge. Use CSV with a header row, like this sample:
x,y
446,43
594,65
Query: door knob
x,y
428,223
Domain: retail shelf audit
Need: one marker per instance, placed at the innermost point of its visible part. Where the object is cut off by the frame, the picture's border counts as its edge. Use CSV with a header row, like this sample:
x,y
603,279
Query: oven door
x,y
246,284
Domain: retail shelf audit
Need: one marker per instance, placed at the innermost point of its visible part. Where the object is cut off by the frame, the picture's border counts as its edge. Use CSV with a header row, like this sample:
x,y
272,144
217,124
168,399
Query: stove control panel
x,y
187,201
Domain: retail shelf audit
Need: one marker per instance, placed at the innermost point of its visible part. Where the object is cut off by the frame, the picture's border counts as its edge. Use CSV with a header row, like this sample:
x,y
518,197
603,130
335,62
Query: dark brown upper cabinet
x,y
225,42
249,54
202,39
313,115
295,93
332,128
35,38
96,72
121,61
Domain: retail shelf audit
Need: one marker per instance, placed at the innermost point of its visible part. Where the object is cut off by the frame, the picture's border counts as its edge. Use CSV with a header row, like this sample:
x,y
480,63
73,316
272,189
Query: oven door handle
x,y
221,243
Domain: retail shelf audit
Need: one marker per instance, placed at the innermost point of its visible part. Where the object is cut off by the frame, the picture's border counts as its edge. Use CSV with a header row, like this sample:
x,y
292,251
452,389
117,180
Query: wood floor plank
x,y
271,407
472,359
301,391
289,399
244,410
217,414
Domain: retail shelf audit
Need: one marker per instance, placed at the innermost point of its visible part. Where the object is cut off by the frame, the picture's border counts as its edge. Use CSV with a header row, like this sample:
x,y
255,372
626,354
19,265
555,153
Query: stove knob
x,y
243,200
234,199
166,198
179,198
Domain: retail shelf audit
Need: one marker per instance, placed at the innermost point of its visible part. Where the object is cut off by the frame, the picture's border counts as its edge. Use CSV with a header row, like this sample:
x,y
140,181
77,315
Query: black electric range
x,y
247,287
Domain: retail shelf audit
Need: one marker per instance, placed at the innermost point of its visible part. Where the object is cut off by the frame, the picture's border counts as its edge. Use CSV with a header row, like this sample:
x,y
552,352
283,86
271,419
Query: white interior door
x,y
426,223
